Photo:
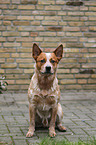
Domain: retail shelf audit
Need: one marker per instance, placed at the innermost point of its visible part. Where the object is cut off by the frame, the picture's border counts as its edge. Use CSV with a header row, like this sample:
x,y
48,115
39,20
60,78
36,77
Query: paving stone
x,y
74,138
5,139
91,131
78,131
20,142
79,118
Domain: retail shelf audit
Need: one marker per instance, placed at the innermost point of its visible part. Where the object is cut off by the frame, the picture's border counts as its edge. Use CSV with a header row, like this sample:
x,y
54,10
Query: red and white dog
x,y
44,93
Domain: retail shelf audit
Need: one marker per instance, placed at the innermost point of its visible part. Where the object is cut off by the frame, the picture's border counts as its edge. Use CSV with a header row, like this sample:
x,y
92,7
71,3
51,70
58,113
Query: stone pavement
x,y
79,117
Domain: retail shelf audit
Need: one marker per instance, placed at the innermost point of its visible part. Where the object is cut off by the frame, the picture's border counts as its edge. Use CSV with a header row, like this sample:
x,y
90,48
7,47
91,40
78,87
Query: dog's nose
x,y
48,69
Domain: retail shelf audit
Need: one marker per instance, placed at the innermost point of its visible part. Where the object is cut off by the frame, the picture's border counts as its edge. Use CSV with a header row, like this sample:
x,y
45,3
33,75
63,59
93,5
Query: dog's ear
x,y
58,52
36,51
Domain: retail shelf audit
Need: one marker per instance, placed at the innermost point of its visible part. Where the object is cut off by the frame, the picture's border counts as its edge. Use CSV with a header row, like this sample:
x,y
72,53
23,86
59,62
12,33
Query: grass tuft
x,y
50,141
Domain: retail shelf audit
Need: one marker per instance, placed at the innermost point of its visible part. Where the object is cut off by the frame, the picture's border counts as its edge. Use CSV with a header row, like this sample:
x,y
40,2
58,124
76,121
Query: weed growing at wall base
x,y
51,141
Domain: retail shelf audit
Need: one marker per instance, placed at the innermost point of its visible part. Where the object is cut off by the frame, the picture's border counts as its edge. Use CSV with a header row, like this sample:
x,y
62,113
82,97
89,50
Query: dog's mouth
x,y
47,73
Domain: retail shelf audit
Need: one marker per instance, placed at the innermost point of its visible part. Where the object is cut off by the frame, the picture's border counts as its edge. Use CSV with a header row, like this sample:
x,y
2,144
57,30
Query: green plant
x,y
51,141
3,85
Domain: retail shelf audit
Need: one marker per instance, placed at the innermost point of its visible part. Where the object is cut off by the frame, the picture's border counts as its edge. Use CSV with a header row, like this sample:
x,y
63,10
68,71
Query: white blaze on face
x,y
48,63
48,55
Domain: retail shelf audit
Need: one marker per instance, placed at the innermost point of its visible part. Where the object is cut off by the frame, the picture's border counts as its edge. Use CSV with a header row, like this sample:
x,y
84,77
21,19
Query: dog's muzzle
x,y
48,69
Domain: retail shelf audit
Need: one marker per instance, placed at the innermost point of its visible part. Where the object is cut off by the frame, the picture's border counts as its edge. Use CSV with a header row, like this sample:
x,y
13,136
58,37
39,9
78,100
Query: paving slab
x,y
79,118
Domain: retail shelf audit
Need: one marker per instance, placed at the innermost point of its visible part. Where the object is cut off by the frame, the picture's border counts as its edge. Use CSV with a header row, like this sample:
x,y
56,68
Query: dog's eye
x,y
43,60
52,61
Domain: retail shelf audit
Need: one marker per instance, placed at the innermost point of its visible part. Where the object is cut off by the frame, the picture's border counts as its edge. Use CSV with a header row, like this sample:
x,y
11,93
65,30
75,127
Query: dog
x,y
44,93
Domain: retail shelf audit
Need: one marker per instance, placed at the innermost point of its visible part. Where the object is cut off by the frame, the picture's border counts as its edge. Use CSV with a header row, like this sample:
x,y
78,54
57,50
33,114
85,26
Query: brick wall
x,y
48,23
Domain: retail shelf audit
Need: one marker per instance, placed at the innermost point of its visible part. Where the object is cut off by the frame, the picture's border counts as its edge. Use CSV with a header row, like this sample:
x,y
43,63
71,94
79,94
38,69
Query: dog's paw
x,y
29,134
62,128
52,132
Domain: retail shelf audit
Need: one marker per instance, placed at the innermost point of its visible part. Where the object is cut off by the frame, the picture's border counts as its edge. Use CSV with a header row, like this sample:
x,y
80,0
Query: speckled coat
x,y
44,93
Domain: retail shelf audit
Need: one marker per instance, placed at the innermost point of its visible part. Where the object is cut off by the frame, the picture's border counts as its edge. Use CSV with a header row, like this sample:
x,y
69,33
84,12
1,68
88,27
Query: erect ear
x,y
36,51
58,52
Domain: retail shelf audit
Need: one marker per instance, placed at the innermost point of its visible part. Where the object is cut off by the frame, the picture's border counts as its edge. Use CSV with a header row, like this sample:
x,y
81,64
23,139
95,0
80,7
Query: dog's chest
x,y
44,103
43,106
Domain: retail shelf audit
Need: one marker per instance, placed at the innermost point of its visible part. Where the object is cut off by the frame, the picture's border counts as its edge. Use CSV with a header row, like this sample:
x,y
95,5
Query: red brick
x,y
23,81
28,1
82,76
1,71
28,71
73,87
93,76
25,55
4,55
82,81
2,39
9,17
64,76
4,50
9,65
34,34
28,18
13,87
69,65
54,28
89,87
10,33
74,45
47,33
24,33
74,70
76,24
10,82
24,87
90,3
5,2
11,44
7,23
10,60
76,13
48,44
67,81
25,7
26,65
52,23
92,81
24,39
53,18
24,61
14,71
2,60
23,23
53,7
71,28
88,65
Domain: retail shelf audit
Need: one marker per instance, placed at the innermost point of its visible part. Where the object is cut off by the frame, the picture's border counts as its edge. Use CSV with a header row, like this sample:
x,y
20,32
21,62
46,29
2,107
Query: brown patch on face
x,y
41,60
53,57
54,61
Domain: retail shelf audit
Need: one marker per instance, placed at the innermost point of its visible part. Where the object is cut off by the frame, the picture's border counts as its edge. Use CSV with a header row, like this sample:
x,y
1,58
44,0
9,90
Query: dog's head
x,y
46,63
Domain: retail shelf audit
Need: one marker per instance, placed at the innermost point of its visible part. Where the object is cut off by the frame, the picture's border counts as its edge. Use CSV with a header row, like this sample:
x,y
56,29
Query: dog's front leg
x,y
52,122
32,121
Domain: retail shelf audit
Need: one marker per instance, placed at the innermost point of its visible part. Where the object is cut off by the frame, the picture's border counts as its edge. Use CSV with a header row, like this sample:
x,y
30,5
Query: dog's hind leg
x,y
59,119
